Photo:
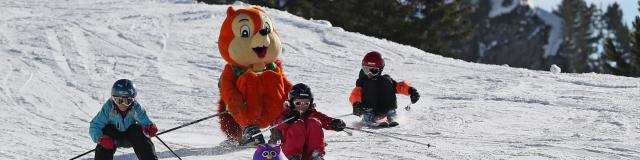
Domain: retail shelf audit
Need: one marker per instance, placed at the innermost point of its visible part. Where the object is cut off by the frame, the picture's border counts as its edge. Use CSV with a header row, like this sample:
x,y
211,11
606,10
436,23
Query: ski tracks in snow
x,y
64,59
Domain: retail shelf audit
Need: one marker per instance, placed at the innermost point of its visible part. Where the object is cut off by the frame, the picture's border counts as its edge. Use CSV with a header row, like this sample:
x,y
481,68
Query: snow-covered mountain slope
x,y
59,59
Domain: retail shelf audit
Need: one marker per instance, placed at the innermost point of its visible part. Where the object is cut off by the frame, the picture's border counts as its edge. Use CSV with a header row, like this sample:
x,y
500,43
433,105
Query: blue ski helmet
x,y
300,91
123,88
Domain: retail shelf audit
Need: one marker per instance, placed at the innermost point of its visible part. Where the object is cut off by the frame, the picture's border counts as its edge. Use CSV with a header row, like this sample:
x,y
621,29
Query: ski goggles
x,y
371,71
302,103
269,154
123,100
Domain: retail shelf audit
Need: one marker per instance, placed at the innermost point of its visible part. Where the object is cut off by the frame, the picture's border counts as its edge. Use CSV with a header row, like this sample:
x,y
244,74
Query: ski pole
x,y
245,141
85,153
172,129
274,126
345,131
380,134
348,132
340,116
174,153
286,120
408,107
194,122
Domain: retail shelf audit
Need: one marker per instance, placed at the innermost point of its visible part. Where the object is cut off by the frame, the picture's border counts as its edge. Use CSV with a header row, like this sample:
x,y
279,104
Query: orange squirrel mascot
x,y
252,86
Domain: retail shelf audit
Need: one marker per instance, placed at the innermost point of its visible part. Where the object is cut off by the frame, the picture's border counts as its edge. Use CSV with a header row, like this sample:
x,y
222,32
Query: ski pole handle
x,y
408,107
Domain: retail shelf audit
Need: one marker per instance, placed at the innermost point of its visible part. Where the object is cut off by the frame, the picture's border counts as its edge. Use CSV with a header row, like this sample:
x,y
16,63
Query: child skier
x,y
302,136
375,94
122,122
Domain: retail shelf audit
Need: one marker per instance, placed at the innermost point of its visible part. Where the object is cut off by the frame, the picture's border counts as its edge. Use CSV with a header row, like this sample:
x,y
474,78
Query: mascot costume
x,y
253,86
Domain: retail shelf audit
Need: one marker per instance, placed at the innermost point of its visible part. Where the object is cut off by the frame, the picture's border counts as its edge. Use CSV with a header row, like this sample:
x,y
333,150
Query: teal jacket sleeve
x,y
99,121
141,115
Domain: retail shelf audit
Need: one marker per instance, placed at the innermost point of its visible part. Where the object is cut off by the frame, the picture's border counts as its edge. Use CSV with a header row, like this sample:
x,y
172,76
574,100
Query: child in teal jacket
x,y
122,122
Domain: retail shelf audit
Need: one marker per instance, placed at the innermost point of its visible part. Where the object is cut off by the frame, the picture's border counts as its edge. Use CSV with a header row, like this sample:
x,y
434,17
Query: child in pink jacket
x,y
302,135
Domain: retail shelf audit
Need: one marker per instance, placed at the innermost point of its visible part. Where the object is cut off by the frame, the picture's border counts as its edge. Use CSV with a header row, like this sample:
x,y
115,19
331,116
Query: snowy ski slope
x,y
59,59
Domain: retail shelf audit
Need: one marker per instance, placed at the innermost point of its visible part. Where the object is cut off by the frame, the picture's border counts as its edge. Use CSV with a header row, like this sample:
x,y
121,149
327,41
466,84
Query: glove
x,y
413,94
293,113
247,135
106,142
150,130
337,125
358,109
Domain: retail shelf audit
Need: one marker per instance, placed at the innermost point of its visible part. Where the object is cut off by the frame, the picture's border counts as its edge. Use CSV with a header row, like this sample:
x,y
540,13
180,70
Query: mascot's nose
x,y
265,31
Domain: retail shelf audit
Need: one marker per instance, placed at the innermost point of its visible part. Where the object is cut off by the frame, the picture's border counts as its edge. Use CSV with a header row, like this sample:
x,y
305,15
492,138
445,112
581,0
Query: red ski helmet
x,y
373,59
372,64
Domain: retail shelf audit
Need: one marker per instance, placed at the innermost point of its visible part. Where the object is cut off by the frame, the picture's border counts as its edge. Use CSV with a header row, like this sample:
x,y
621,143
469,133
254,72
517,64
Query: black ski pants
x,y
132,137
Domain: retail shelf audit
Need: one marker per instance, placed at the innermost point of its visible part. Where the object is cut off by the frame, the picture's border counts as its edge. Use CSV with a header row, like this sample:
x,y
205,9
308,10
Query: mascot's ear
x,y
230,11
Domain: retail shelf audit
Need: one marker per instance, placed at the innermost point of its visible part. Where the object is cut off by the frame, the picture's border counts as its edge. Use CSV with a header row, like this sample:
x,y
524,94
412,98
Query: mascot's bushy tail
x,y
229,125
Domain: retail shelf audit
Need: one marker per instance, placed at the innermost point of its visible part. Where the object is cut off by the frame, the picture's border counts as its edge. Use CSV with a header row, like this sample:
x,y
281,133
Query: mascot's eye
x,y
273,153
244,31
265,153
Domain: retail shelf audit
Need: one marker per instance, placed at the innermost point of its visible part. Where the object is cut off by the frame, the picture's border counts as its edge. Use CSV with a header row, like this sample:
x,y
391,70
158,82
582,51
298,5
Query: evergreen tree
x,y
578,41
382,18
618,44
621,66
436,24
635,48
430,25
619,32
598,60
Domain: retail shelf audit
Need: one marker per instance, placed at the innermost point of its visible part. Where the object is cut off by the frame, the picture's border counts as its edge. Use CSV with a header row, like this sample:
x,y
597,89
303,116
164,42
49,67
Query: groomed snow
x,y
60,59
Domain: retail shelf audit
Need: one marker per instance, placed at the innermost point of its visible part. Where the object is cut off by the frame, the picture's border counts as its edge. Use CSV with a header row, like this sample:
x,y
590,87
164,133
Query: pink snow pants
x,y
304,137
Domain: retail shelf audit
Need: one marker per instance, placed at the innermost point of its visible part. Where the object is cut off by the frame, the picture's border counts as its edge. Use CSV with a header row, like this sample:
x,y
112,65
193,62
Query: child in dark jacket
x,y
374,97
122,122
302,134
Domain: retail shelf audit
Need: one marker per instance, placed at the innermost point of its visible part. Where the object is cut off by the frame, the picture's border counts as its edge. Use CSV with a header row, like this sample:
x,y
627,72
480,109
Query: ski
x,y
393,124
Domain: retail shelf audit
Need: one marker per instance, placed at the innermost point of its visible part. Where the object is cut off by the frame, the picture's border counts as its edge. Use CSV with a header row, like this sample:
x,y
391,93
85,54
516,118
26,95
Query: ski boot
x,y
374,121
391,118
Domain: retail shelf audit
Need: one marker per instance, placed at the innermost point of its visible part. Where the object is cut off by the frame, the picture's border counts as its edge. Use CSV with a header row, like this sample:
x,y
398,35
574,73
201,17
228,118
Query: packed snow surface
x,y
60,58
